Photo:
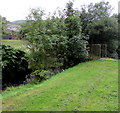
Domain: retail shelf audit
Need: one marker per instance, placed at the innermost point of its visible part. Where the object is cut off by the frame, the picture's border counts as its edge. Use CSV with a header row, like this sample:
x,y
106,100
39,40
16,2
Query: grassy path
x,y
90,86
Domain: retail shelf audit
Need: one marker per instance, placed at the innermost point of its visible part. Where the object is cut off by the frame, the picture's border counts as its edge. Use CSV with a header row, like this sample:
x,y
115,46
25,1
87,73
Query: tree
x,y
47,42
77,42
94,12
57,39
105,31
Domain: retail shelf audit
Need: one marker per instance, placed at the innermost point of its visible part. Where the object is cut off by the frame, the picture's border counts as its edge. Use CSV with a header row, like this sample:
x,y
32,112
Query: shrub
x,y
14,65
41,75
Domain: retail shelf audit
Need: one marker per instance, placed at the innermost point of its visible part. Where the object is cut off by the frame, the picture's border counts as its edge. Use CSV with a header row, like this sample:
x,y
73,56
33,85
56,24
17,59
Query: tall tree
x,y
77,50
47,42
105,31
94,12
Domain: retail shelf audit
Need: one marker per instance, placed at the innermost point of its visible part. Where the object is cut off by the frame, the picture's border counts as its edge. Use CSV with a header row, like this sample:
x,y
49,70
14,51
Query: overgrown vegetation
x,y
62,38
59,41
100,26
56,42
14,66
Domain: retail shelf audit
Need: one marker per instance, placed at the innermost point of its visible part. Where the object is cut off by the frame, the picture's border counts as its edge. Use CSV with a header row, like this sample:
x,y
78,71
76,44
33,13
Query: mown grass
x,y
90,86
17,44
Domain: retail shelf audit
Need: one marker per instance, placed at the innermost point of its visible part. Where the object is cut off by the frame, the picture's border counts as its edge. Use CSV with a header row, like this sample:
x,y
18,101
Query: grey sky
x,y
19,9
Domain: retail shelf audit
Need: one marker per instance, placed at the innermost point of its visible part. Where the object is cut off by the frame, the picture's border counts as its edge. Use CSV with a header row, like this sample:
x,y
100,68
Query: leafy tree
x,y
77,50
47,43
101,28
57,40
94,12
105,31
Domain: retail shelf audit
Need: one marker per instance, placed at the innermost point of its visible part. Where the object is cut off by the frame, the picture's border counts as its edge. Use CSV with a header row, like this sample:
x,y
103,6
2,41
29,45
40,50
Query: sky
x,y
19,9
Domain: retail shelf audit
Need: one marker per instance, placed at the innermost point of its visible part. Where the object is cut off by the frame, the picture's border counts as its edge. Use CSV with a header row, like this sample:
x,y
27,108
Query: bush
x,y
41,74
38,76
14,65
77,50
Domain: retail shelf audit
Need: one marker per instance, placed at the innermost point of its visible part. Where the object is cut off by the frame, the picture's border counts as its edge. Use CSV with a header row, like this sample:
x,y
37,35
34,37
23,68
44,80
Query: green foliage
x,y
105,31
69,11
60,41
40,75
56,42
14,65
77,42
101,28
77,50
4,23
73,26
94,12
46,43
47,52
